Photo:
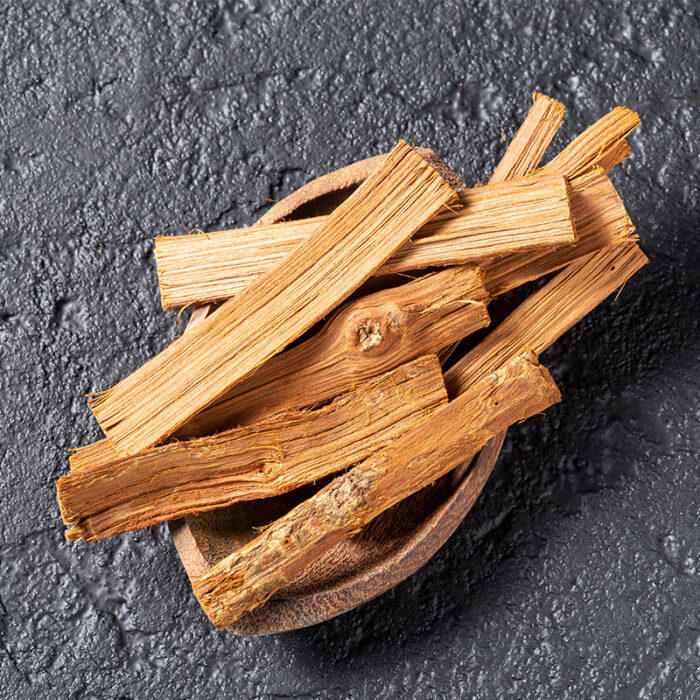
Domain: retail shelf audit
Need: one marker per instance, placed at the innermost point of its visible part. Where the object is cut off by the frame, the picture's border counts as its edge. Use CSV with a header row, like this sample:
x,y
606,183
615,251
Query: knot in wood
x,y
369,335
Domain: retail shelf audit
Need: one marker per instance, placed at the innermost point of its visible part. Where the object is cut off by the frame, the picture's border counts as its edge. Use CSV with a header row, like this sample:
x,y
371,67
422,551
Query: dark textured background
x,y
576,574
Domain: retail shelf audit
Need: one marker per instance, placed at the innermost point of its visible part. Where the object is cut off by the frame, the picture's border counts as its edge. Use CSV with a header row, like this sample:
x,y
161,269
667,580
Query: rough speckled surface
x,y
576,574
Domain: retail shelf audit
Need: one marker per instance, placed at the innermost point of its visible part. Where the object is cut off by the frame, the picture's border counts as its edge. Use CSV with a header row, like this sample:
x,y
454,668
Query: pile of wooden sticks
x,y
236,410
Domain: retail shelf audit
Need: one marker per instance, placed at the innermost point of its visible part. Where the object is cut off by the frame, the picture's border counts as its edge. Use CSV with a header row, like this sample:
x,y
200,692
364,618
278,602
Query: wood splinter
x,y
602,144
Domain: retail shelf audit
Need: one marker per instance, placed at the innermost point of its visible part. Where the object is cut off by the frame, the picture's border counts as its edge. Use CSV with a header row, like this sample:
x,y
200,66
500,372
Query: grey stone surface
x,y
576,574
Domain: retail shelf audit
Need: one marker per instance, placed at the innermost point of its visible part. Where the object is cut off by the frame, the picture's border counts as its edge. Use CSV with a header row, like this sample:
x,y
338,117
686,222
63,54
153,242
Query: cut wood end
x,y
593,143
631,118
597,207
444,170
531,140
557,108
615,155
432,167
526,368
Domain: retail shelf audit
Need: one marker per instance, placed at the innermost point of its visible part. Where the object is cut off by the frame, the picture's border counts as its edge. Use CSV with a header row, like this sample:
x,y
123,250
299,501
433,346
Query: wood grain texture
x,y
257,461
600,220
599,142
548,313
532,139
489,221
616,154
366,337
394,546
394,202
249,576
522,156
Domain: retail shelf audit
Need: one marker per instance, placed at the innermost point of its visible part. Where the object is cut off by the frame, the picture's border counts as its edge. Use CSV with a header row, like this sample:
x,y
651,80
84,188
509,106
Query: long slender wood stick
x,y
532,139
522,156
359,236
491,220
250,575
366,337
494,220
257,461
600,218
548,313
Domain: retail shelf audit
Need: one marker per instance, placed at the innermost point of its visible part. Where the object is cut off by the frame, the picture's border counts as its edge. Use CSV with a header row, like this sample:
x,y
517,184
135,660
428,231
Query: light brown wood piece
x,y
364,338
387,209
394,546
548,313
600,219
522,156
529,213
248,577
616,154
526,214
262,460
600,141
532,139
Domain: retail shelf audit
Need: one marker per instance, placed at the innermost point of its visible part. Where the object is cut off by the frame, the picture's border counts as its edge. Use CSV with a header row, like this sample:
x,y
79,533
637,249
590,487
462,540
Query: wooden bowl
x,y
387,551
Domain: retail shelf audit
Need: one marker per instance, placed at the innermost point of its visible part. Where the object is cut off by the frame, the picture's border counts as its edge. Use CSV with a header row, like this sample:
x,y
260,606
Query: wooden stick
x,y
525,214
548,313
384,212
531,140
597,142
492,220
257,461
600,220
250,575
366,337
522,156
